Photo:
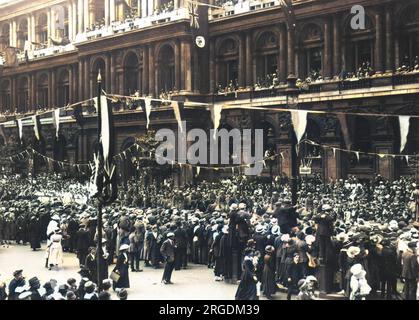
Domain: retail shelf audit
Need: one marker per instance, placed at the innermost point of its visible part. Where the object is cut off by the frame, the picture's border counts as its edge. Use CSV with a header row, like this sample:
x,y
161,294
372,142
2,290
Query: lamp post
x,y
292,93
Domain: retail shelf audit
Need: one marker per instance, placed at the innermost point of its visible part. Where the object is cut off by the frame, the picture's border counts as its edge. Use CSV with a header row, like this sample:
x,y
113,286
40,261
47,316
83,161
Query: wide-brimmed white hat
x,y
357,269
353,251
124,247
310,239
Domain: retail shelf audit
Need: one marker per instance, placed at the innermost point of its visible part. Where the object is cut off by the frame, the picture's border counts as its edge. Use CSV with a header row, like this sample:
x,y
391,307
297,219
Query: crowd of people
x,y
357,238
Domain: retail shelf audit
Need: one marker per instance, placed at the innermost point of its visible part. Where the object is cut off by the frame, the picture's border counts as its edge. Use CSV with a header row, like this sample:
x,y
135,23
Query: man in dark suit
x,y
18,281
410,271
168,252
181,239
286,216
324,231
82,244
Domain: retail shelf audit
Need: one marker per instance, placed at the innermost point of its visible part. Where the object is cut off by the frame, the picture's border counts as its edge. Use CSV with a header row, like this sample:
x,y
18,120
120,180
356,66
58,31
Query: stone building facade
x,y
147,46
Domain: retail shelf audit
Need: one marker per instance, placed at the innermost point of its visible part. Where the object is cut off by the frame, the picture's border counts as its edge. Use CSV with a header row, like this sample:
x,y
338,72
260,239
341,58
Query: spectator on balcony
x,y
416,64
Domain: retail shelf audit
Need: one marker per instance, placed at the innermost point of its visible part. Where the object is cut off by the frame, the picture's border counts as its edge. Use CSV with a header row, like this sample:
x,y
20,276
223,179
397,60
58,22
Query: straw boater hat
x,y
310,239
342,237
353,251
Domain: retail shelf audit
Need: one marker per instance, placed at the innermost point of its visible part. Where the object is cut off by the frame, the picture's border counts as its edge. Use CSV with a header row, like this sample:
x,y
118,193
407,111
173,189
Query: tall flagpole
x,y
99,206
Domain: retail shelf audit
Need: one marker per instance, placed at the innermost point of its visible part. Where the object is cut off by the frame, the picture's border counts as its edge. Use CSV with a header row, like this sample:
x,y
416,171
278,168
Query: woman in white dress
x,y
55,256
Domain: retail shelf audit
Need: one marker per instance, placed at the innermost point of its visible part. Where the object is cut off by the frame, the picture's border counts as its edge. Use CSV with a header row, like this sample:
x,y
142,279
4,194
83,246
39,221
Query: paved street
x,y
195,283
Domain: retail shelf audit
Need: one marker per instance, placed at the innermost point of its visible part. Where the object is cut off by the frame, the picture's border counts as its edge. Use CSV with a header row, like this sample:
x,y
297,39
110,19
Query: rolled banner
x,y
404,122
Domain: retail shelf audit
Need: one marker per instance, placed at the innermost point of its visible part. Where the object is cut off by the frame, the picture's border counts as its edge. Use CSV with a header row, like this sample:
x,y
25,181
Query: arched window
x,y
266,55
166,70
99,65
5,96
23,95
228,63
22,33
63,88
42,91
42,29
359,46
5,36
311,51
132,74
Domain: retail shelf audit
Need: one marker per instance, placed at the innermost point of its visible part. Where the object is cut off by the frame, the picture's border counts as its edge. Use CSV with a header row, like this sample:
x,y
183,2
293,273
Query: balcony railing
x,y
133,24
324,86
236,7
44,52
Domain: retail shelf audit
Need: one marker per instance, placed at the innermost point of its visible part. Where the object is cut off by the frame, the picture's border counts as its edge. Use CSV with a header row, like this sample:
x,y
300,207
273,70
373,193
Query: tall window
x,y
131,74
22,34
228,63
409,33
359,46
63,89
312,51
42,91
4,36
266,55
5,96
23,95
42,29
166,69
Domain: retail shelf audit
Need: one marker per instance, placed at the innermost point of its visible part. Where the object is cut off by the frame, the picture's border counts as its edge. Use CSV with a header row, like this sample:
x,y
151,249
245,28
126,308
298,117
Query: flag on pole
x,y
193,14
289,13
147,107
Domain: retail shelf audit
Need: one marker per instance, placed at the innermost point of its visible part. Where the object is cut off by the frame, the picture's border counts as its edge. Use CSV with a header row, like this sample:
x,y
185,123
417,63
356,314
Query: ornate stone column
x,y
378,50
389,40
242,61
151,71
337,55
112,15
282,61
291,52
186,68
212,66
249,60
327,58
178,59
80,16
107,15
144,8
144,82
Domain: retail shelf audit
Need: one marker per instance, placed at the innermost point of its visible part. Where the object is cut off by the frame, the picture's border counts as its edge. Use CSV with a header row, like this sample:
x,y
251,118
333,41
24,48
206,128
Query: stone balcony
x,y
133,24
230,8
383,85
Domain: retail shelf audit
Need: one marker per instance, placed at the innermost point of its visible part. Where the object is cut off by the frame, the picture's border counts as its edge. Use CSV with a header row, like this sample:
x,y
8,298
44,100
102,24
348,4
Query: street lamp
x,y
292,93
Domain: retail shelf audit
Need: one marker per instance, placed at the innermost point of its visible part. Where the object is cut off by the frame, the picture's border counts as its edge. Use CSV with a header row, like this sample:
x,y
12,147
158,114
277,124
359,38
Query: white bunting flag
x,y
216,117
57,121
334,152
357,155
404,131
147,102
36,128
407,159
198,170
299,122
20,128
176,110
105,134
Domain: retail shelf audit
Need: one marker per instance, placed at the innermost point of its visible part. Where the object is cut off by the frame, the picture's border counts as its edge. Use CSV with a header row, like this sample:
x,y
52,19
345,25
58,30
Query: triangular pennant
x,y
56,116
216,117
147,106
198,170
176,110
35,120
404,122
334,152
20,128
299,122
407,159
381,155
357,155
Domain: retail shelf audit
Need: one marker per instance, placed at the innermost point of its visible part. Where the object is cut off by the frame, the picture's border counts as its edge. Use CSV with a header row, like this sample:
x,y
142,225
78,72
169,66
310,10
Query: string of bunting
x,y
357,152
